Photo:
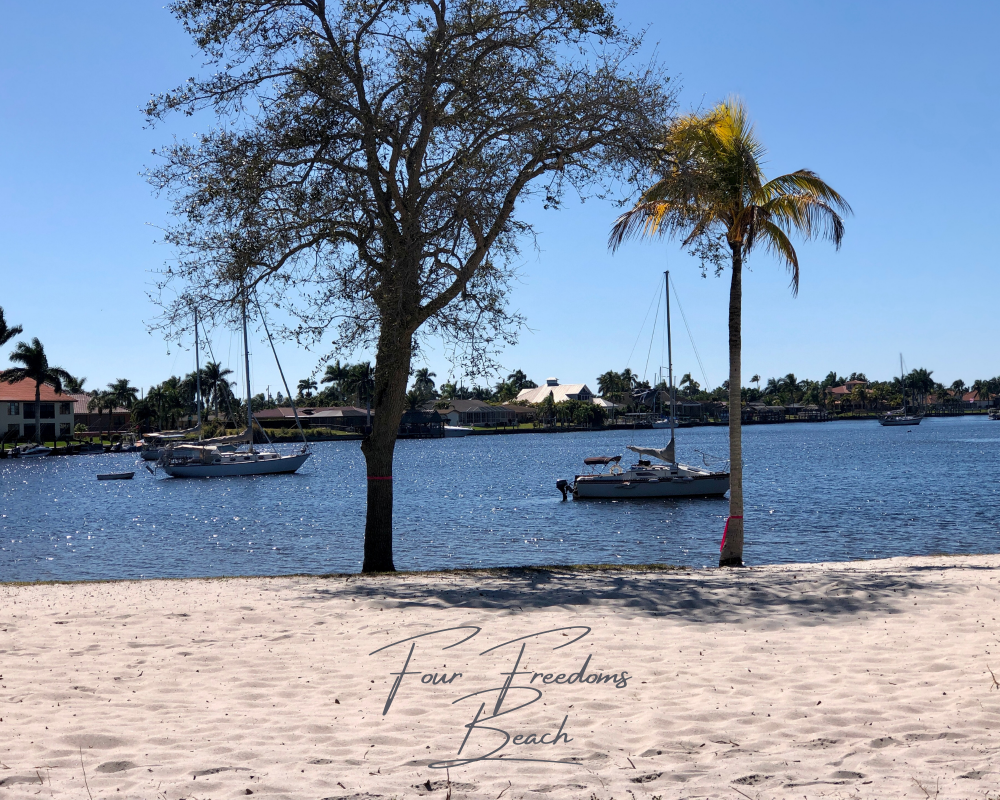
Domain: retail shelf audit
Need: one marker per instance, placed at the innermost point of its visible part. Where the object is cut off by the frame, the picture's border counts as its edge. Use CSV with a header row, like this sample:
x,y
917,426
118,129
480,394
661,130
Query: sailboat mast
x,y
197,371
670,361
246,365
902,382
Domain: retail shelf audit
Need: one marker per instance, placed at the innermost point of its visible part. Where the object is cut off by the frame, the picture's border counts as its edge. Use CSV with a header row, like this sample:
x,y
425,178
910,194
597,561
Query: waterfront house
x,y
120,418
17,412
559,392
974,400
522,414
335,417
476,412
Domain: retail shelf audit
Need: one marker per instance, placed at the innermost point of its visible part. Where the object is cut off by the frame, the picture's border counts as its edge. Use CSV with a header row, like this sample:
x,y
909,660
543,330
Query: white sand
x,y
838,680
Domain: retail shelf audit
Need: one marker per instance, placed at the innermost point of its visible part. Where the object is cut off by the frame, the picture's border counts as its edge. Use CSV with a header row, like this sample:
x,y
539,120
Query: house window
x,y
13,409
65,408
48,431
48,411
29,431
29,410
65,429
13,427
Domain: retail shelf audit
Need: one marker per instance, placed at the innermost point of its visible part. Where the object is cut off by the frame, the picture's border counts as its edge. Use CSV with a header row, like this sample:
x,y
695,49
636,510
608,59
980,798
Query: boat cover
x,y
664,454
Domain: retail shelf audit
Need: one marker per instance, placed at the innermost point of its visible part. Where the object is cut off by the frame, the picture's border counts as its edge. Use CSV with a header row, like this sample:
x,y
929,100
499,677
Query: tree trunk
x,y
392,370
38,413
732,548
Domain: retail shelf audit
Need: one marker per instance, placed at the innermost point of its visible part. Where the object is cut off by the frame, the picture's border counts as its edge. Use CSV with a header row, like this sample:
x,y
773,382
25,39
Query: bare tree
x,y
369,164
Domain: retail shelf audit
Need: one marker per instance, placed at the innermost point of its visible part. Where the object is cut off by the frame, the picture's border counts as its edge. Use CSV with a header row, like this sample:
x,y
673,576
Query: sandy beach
x,y
865,679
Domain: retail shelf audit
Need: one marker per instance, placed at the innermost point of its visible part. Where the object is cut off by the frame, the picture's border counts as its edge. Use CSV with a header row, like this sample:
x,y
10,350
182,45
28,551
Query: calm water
x,y
834,491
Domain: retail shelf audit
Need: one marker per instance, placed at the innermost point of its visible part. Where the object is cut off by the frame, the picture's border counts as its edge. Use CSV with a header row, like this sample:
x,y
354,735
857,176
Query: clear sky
x,y
892,103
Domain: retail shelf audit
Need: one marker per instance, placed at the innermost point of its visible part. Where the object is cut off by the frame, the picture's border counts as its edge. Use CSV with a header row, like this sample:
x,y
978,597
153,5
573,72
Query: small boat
x,y
36,450
456,430
995,414
903,416
645,479
116,476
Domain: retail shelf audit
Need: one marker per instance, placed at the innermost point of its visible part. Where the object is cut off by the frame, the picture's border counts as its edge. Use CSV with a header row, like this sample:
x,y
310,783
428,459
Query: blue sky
x,y
893,104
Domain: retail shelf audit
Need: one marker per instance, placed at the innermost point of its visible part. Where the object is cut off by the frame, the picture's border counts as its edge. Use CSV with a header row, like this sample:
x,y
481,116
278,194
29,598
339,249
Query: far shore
x,y
871,679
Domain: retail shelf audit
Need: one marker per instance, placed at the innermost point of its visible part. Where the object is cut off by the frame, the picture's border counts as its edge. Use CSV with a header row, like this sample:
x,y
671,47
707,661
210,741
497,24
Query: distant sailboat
x,y
901,417
208,459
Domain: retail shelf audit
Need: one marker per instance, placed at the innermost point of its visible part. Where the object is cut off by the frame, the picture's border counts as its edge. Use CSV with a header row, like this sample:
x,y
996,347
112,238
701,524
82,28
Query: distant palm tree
x,y
306,387
712,192
8,333
423,381
360,381
756,379
520,381
35,367
74,385
213,378
335,374
123,395
98,403
791,386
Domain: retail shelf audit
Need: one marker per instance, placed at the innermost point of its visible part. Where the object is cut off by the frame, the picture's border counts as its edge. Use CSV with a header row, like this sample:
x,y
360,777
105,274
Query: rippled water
x,y
815,492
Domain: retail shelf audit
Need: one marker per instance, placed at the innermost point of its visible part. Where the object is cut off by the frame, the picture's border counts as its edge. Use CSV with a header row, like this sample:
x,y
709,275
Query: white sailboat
x,y
211,458
901,417
645,479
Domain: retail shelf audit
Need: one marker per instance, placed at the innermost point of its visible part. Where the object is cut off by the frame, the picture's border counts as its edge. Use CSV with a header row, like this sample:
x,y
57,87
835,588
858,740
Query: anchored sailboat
x,y
901,417
208,459
646,479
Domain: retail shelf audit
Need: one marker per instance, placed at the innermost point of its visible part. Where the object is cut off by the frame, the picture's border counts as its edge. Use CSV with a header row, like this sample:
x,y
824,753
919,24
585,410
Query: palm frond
x,y
807,182
644,219
777,243
806,214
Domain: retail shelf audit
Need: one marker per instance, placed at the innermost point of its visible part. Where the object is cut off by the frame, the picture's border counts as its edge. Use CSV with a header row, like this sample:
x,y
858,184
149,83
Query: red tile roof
x,y
24,391
83,405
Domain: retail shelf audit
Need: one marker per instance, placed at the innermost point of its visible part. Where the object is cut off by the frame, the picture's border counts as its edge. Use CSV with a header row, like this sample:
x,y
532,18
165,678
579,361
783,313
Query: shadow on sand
x,y
812,595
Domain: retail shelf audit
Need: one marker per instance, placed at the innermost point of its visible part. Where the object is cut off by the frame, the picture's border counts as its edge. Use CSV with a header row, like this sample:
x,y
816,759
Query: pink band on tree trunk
x,y
725,531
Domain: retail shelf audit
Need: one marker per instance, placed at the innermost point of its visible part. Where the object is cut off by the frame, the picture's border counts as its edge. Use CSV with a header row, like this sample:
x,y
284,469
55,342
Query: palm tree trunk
x,y
38,412
732,546
392,370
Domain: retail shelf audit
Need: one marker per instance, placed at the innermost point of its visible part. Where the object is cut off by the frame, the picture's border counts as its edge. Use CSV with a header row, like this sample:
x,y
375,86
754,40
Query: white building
x,y
17,411
568,391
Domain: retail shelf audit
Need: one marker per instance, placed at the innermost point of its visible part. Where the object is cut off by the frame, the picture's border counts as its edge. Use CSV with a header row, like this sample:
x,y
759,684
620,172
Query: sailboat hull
x,y
239,465
617,487
891,421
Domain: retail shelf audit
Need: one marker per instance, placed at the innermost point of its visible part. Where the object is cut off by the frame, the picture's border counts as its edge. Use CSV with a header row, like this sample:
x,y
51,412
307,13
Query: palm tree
x,y
8,333
35,367
756,379
306,387
335,374
74,385
712,192
360,381
423,381
213,377
791,385
520,381
122,394
98,403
